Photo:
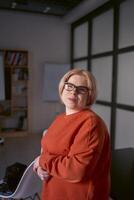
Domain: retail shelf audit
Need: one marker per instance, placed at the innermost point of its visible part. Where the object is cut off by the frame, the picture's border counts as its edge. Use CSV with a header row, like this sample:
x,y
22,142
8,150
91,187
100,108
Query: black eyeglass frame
x,y
79,89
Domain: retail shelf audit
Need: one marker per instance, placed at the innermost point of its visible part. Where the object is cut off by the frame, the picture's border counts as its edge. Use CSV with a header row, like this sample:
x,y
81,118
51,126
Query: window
x,y
103,42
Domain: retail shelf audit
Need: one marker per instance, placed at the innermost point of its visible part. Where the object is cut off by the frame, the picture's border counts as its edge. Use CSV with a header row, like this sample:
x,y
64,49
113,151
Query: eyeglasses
x,y
79,89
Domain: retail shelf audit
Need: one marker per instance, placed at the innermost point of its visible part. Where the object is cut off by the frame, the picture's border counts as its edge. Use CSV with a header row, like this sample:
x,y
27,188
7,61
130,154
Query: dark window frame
x,y
115,5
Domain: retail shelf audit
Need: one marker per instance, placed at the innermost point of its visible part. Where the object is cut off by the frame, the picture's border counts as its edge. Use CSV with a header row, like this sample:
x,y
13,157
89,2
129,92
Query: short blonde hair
x,y
91,83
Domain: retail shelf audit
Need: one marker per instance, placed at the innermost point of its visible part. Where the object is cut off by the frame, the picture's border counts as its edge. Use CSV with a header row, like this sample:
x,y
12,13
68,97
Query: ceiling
x,y
47,7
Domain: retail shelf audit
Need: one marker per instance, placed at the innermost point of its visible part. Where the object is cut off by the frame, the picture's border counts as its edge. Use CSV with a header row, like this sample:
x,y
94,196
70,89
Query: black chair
x,y
29,186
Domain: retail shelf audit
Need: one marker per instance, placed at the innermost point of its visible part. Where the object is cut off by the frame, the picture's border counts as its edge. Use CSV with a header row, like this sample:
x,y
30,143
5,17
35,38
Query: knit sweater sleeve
x,y
84,152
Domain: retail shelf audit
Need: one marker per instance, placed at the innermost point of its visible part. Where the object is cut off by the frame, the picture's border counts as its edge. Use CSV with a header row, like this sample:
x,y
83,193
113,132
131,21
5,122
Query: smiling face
x,y
74,100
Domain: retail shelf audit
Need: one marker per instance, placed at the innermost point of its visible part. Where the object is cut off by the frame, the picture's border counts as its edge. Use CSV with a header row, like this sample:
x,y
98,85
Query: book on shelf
x,y
16,58
20,74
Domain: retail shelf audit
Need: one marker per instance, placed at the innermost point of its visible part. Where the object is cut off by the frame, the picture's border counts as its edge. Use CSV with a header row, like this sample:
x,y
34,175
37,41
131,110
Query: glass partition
x,y
102,70
126,24
125,87
104,112
81,41
124,136
102,33
81,64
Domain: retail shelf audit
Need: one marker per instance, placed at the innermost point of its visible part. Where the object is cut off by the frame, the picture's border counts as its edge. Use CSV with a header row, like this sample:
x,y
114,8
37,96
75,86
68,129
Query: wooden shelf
x,y
13,134
16,82
16,66
16,91
14,109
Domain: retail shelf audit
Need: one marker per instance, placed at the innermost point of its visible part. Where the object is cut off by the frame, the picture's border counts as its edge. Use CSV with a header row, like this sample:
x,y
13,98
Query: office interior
x,y
96,35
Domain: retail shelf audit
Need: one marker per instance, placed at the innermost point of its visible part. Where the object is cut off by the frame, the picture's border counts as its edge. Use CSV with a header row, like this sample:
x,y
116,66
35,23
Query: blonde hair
x,y
91,83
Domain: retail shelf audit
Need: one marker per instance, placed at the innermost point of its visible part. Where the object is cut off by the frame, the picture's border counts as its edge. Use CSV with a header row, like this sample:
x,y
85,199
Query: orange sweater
x,y
76,153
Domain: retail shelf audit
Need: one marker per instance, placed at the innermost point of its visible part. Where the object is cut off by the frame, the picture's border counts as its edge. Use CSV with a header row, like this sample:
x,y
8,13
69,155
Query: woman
x,y
75,158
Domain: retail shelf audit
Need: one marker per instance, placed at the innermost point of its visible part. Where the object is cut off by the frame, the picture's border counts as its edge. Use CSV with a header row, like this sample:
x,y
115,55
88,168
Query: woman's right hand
x,y
36,164
44,176
41,173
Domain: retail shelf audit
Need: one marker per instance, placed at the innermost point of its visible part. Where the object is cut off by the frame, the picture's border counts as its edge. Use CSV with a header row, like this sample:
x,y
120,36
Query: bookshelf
x,y
14,107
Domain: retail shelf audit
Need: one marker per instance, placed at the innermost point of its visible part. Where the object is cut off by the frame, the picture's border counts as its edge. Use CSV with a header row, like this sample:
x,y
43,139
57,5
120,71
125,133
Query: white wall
x,y
47,39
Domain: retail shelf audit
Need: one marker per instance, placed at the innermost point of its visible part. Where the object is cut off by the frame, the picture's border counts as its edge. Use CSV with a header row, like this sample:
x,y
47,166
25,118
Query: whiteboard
x,y
52,75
